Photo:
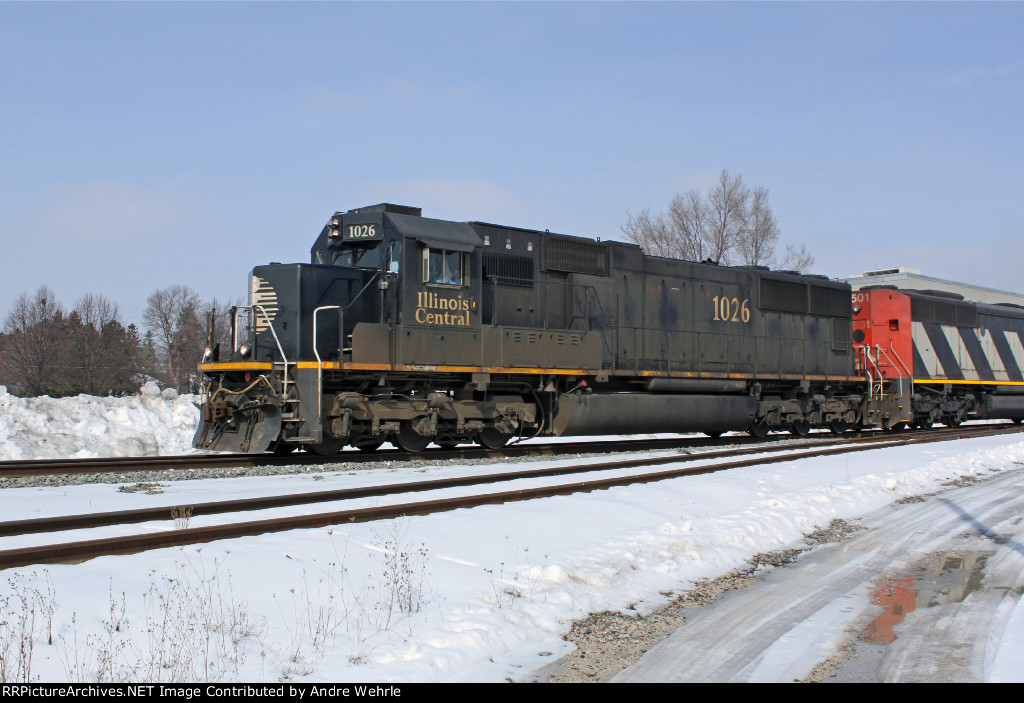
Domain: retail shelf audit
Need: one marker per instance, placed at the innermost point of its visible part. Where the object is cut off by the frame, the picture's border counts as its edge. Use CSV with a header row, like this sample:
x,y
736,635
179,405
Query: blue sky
x,y
146,144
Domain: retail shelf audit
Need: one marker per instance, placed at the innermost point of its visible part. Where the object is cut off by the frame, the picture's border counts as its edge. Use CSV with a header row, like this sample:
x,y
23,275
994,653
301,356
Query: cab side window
x,y
392,257
443,267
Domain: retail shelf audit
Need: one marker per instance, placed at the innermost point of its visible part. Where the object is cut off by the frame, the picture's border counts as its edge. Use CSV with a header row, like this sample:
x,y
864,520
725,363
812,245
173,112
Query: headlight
x,y
245,350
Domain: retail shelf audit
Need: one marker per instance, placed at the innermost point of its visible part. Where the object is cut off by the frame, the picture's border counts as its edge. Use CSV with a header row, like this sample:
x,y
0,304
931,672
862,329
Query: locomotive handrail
x,y
316,353
273,333
878,372
879,352
341,342
512,281
910,374
867,370
865,351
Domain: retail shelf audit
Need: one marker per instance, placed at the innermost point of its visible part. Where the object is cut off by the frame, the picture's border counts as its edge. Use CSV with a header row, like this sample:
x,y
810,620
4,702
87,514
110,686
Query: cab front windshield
x,y
363,257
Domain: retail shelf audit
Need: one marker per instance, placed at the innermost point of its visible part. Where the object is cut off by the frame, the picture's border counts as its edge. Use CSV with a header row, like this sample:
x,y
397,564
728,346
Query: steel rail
x,y
124,517
74,552
23,468
90,520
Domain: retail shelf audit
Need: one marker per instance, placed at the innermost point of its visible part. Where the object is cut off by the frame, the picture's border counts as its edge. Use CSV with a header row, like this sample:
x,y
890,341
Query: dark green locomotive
x,y
414,330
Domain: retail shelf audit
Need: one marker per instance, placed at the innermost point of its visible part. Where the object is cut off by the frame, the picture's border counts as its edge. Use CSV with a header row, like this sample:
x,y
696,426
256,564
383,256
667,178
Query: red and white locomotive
x,y
963,359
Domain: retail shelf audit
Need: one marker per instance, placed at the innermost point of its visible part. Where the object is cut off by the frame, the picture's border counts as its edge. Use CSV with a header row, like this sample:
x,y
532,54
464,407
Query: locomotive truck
x,y
413,330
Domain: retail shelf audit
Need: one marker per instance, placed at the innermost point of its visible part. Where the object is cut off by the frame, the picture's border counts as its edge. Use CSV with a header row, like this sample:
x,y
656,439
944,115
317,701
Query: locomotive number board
x,y
361,233
362,227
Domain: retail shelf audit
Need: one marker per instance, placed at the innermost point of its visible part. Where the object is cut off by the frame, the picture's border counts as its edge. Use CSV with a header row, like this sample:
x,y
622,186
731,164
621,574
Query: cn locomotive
x,y
965,359
412,330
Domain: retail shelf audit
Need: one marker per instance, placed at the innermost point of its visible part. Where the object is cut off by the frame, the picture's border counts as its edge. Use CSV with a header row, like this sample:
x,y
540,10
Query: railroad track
x,y
128,465
125,465
73,552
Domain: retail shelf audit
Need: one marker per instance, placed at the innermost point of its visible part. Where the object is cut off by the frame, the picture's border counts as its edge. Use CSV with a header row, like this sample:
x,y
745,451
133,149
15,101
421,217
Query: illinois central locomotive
x,y
412,330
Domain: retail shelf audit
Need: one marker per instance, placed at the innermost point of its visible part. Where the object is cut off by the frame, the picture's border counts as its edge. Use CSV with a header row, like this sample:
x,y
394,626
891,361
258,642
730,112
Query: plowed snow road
x,y
927,592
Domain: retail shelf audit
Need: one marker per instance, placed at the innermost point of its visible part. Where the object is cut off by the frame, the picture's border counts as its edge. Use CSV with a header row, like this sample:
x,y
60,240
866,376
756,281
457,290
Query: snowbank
x,y
149,424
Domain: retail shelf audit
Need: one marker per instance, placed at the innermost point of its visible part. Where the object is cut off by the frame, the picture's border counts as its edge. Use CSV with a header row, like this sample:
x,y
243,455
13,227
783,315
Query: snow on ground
x,y
483,594
149,424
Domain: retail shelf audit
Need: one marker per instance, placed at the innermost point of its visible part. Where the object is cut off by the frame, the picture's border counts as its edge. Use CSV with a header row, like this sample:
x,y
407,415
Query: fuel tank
x,y
636,413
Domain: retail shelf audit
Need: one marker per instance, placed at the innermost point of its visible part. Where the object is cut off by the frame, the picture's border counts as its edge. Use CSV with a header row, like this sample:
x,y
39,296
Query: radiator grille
x,y
830,301
575,256
944,312
515,271
786,296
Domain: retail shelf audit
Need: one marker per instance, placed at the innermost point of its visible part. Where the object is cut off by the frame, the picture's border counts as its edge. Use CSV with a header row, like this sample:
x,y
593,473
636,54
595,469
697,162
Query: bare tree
x,y
164,309
681,234
795,259
653,234
691,219
99,360
172,314
89,350
33,330
760,233
97,311
727,204
731,225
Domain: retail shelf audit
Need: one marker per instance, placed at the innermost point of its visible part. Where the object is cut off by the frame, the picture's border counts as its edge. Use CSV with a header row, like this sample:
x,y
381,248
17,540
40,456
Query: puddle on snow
x,y
943,577
946,577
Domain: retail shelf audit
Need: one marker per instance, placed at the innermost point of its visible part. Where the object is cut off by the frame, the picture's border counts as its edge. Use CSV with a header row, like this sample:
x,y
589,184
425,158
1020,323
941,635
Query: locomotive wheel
x,y
839,427
492,439
953,423
1018,420
408,441
280,448
329,446
368,445
800,429
759,430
